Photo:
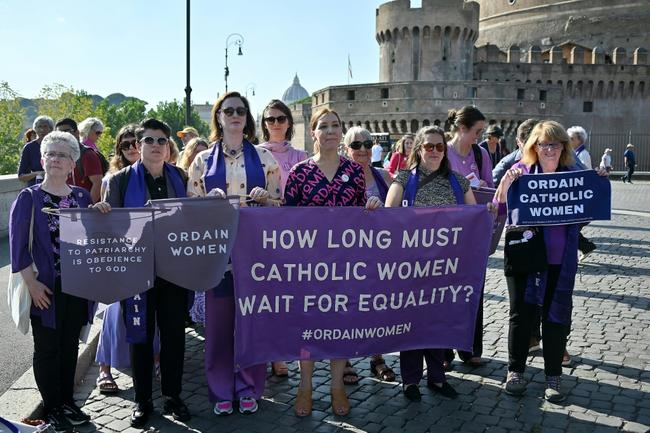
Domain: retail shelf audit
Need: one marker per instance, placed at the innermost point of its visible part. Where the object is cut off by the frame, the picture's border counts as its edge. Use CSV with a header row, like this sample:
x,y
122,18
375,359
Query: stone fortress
x,y
580,62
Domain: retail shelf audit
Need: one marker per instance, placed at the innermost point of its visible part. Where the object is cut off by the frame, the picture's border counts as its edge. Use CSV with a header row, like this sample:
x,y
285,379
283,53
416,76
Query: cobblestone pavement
x,y
608,386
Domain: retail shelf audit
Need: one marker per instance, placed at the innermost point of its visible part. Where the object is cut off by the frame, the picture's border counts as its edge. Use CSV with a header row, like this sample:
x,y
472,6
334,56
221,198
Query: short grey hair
x,y
43,119
578,131
60,137
90,124
349,136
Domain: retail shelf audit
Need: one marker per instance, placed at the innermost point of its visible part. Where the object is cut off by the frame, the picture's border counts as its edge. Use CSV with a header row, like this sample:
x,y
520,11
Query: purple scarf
x,y
412,188
135,311
215,176
381,183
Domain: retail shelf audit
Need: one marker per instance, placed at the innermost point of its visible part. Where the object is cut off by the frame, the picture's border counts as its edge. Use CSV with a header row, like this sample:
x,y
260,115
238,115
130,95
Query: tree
x,y
173,113
131,110
11,126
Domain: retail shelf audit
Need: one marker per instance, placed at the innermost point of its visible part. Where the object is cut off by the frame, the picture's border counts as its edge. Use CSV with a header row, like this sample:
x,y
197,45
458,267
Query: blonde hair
x,y
399,146
189,153
173,151
548,130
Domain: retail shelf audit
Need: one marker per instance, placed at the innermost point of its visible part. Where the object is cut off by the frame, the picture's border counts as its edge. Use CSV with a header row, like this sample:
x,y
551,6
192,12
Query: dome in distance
x,y
295,92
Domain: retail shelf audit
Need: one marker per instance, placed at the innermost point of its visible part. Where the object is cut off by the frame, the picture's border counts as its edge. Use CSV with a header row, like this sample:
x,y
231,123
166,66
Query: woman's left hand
x,y
492,208
260,195
373,203
602,172
102,206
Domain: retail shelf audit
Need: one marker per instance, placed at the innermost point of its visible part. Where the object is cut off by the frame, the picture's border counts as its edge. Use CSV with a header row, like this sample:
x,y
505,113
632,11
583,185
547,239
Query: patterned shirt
x,y
51,201
235,174
307,185
438,192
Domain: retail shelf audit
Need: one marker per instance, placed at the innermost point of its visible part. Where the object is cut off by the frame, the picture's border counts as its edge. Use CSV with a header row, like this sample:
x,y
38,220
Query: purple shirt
x,y
286,156
30,160
466,165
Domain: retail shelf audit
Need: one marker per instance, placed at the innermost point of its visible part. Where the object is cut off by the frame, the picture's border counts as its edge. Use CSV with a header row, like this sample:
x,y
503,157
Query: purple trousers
x,y
223,382
410,363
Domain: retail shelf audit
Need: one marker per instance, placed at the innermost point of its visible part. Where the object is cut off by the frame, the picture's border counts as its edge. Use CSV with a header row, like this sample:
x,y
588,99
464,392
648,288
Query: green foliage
x,y
11,125
173,113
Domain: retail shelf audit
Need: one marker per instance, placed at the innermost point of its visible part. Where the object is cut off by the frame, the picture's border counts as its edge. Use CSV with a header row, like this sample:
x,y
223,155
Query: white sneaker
x,y
247,405
223,408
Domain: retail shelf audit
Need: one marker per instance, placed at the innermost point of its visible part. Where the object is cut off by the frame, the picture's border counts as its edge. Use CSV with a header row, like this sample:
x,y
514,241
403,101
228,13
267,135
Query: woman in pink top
x,y
277,129
401,155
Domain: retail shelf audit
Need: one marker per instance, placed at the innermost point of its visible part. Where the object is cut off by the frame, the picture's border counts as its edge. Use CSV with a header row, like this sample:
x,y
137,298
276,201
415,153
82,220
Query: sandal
x,y
380,370
303,403
106,384
566,359
350,376
340,402
280,369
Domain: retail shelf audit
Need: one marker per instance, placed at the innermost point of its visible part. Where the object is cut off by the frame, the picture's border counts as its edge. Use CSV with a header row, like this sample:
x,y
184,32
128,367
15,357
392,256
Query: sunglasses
x,y
356,145
161,141
549,145
440,147
241,111
272,120
98,132
68,130
126,144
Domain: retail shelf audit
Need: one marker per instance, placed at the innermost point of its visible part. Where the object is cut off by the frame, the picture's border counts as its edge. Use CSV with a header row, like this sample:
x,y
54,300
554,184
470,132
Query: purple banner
x,y
319,283
106,257
193,240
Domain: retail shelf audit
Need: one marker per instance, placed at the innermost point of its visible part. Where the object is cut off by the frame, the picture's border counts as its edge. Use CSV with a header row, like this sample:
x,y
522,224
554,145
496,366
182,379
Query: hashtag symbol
x,y
306,335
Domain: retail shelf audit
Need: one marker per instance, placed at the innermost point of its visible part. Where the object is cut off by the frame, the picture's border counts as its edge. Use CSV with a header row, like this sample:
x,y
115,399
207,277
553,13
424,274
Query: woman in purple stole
x,y
429,181
547,150
56,317
233,166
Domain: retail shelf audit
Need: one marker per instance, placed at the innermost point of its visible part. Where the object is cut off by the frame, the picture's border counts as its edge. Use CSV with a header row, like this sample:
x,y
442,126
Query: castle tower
x,y
431,42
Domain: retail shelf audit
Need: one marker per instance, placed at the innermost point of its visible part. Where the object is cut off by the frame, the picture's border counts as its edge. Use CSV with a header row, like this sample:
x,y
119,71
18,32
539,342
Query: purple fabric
x,y
20,215
263,241
215,175
30,160
469,165
226,381
380,183
555,239
286,156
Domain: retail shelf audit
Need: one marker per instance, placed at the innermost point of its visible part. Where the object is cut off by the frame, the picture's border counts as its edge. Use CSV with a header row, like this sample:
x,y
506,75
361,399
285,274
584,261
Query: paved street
x,y
608,386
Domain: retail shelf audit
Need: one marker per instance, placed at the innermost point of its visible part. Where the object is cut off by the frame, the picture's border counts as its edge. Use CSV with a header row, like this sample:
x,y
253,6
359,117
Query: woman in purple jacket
x,y
56,317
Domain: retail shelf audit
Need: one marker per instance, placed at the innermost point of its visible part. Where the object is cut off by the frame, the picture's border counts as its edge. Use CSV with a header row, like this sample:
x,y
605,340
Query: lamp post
x,y
188,88
237,40
251,87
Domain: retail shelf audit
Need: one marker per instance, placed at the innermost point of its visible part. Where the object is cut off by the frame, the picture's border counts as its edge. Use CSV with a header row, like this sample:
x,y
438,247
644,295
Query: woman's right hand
x,y
39,293
217,192
102,206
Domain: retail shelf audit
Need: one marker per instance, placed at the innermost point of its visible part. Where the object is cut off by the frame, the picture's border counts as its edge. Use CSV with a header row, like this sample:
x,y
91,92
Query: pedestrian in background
x,y
630,162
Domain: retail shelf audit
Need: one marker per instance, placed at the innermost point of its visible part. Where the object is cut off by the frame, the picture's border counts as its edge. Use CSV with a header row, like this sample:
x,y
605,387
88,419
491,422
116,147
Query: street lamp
x,y
237,40
251,87
188,88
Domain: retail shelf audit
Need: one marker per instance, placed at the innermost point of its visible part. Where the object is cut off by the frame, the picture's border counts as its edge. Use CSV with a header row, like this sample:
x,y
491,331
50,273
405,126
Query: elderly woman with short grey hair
x,y
30,169
578,140
90,129
56,317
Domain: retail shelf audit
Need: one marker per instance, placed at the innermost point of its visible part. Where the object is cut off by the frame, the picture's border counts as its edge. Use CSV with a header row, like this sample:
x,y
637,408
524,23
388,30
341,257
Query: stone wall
x,y
10,186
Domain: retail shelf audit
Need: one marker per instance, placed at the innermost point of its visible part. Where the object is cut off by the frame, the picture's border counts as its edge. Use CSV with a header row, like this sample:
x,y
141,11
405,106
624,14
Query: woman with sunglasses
x,y
359,143
429,181
399,158
333,181
233,166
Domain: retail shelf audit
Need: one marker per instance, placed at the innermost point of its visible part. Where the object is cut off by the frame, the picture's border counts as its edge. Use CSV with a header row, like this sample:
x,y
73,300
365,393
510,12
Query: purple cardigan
x,y
20,215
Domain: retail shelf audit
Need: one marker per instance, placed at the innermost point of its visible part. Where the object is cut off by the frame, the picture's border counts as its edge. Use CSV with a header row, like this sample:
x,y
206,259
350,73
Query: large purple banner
x,y
319,283
106,257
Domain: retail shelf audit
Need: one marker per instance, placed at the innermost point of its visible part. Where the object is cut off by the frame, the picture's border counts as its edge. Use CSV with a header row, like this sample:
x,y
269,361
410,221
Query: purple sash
x,y
412,188
135,308
215,176
381,183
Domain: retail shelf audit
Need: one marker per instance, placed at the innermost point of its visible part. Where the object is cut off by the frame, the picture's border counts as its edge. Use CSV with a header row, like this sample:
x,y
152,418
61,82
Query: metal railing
x,y
598,142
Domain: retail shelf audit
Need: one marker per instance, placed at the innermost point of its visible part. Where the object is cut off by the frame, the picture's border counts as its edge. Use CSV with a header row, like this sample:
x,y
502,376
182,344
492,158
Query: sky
x,y
137,47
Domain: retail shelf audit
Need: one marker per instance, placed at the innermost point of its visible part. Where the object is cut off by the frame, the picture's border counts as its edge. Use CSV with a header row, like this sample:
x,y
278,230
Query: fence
x,y
617,142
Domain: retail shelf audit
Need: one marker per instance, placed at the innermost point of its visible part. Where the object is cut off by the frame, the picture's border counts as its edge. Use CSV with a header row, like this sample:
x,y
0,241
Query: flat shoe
x,y
303,403
412,392
340,402
445,390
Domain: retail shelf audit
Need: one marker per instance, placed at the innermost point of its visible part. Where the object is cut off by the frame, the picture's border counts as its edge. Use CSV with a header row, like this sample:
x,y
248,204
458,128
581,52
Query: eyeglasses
x,y
356,145
241,111
59,155
161,141
552,146
440,147
98,132
272,120
126,144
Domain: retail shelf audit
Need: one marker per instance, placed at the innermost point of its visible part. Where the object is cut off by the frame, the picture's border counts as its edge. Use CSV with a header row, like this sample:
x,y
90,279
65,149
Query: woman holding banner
x,y
334,181
232,166
547,150
430,182
56,317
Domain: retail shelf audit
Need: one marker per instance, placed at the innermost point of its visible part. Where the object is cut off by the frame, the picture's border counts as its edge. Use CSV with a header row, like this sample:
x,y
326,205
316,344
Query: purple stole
x,y
215,175
562,302
381,183
412,188
135,311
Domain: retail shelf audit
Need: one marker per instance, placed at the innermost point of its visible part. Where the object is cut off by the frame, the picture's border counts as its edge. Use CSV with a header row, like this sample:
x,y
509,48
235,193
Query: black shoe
x,y
412,392
445,390
58,421
175,407
74,414
141,413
